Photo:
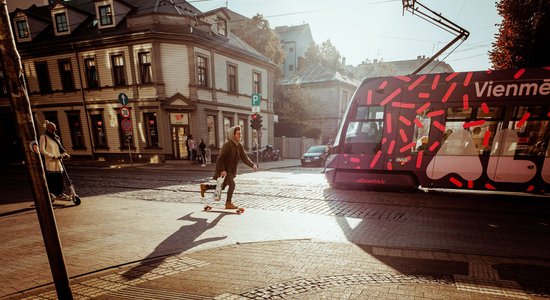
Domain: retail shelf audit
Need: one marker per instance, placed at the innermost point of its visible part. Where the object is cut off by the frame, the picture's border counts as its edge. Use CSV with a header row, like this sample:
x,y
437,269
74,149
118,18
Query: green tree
x,y
293,106
257,33
325,54
522,40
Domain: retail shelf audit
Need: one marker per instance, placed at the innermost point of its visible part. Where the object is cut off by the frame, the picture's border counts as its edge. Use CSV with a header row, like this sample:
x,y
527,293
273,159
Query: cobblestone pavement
x,y
150,239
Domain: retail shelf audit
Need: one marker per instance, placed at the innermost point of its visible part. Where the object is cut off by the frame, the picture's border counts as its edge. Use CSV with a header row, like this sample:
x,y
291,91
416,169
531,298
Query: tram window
x,y
456,118
369,113
458,143
422,133
490,112
492,116
492,122
531,129
459,113
535,112
364,137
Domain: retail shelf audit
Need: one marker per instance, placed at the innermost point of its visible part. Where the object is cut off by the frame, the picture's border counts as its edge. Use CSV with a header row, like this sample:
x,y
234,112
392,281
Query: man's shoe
x,y
203,189
229,205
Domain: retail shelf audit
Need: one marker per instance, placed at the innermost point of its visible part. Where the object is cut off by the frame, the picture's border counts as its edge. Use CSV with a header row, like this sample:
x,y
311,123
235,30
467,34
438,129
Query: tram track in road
x,y
289,192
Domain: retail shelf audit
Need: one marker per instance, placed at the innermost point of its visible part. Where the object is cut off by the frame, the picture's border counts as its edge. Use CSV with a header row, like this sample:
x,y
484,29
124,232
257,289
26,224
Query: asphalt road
x,y
284,203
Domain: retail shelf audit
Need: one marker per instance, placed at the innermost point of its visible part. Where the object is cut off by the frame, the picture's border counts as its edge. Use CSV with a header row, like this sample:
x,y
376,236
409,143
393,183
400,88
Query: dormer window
x,y
61,24
105,15
22,29
222,27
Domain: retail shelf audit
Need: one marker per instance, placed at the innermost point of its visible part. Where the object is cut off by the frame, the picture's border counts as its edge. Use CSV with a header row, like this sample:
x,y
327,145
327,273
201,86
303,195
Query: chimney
x,y
344,60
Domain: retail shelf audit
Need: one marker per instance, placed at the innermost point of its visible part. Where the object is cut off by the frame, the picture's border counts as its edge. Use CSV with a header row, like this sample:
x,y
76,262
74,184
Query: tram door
x,y
179,137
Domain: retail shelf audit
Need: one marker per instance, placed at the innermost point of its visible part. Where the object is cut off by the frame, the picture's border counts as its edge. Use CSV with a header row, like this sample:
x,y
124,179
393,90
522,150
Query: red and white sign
x,y
125,112
126,125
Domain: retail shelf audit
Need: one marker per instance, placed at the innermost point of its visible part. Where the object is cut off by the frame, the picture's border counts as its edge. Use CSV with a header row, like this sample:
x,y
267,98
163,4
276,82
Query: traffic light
x,y
256,121
259,119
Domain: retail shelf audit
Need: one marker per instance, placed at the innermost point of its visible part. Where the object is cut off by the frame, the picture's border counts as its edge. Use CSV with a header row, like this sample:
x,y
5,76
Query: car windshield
x,y
316,149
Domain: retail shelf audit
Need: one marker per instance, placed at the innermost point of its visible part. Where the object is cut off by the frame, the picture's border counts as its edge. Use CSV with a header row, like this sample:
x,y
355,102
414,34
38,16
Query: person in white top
x,y
53,151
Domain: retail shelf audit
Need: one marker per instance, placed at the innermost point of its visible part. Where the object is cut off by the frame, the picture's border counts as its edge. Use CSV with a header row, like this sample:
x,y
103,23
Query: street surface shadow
x,y
487,224
180,241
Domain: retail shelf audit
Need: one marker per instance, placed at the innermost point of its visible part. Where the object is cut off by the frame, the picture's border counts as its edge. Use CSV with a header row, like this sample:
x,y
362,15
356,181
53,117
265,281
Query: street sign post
x,y
256,102
126,125
256,99
125,112
123,99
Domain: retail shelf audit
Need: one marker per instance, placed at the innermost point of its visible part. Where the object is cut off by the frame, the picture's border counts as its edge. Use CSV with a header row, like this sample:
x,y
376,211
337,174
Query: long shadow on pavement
x,y
178,242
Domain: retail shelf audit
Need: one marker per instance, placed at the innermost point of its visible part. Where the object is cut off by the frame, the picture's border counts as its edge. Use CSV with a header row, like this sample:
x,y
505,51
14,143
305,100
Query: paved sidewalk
x,y
159,250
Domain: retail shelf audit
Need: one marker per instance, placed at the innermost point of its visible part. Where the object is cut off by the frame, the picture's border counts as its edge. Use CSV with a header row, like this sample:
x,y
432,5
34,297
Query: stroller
x,y
68,188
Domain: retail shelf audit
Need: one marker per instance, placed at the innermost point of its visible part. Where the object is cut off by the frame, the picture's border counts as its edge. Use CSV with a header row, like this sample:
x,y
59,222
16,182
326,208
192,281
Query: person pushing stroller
x,y
53,151
226,166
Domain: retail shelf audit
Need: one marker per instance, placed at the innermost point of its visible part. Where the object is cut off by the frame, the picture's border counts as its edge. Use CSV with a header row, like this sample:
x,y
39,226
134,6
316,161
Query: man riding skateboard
x,y
226,166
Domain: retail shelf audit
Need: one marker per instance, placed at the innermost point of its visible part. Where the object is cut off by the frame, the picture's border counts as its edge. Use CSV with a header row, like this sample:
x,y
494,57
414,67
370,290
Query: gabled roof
x,y
179,7
401,67
88,32
85,7
318,74
38,12
223,10
179,102
294,33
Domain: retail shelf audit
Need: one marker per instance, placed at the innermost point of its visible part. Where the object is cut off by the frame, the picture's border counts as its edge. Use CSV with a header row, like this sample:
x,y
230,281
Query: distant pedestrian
x,y
226,166
202,147
187,146
53,151
192,148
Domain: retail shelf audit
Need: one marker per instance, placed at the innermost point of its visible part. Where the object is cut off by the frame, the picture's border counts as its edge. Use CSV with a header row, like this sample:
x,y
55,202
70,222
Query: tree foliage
x,y
257,33
522,40
324,54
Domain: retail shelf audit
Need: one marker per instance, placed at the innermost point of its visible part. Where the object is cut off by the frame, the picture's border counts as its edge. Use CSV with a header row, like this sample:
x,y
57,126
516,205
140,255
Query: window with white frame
x,y
92,77
232,78
256,83
105,15
222,27
119,76
43,76
202,71
22,29
66,74
61,24
145,70
211,122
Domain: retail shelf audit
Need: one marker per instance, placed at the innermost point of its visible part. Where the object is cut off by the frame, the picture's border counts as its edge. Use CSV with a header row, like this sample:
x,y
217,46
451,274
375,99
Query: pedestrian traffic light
x,y
256,121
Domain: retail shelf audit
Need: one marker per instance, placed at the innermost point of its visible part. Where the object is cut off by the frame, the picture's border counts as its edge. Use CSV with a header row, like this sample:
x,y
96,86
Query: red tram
x,y
470,130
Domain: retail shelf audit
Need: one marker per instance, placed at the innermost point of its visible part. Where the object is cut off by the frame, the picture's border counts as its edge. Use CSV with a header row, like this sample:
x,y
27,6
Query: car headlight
x,y
316,157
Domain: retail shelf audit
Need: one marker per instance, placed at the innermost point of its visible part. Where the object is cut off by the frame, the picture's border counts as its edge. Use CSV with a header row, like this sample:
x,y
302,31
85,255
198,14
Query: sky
x,y
379,29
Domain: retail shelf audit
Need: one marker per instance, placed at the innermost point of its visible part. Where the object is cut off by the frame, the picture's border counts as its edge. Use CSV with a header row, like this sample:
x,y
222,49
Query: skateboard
x,y
238,211
218,191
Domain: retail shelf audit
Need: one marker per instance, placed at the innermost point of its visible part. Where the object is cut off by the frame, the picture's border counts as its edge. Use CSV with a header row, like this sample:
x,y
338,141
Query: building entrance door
x,y
179,137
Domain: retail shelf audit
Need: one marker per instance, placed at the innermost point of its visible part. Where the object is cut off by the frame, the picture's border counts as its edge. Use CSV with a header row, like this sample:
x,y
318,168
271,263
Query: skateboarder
x,y
226,166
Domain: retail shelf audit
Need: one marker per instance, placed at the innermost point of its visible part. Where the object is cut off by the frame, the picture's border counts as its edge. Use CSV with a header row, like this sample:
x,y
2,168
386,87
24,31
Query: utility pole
x,y
21,106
